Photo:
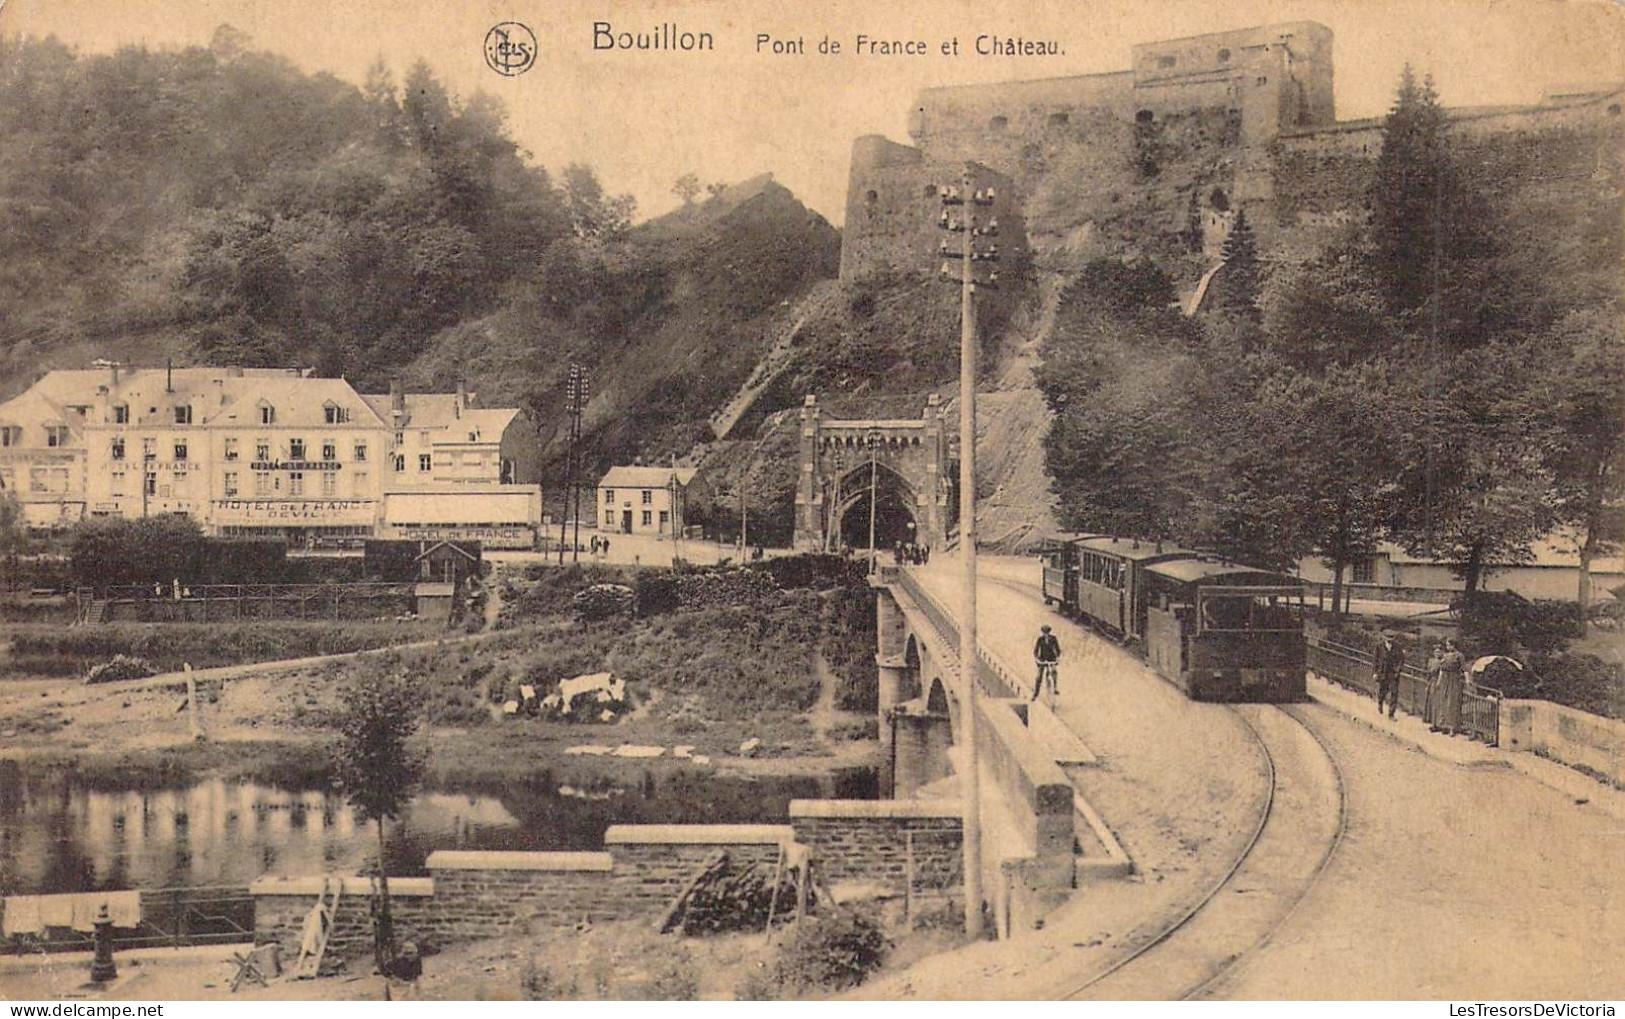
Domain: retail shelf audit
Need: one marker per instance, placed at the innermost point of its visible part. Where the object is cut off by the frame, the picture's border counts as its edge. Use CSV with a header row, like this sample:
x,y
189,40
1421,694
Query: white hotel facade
x,y
269,453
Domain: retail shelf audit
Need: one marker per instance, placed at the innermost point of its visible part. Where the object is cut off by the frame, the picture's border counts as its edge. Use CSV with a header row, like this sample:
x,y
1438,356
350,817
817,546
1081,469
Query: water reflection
x,y
61,834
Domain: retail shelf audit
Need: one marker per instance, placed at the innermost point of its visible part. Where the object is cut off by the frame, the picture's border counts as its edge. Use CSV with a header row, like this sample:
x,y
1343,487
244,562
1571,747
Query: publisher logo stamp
x,y
510,49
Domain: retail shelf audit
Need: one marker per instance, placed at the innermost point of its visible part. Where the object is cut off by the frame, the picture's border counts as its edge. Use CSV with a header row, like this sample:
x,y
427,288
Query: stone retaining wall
x,y
879,843
1567,735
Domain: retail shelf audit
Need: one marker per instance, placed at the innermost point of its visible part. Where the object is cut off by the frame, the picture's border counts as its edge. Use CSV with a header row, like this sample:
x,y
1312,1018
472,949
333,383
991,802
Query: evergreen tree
x,y
1241,281
1407,192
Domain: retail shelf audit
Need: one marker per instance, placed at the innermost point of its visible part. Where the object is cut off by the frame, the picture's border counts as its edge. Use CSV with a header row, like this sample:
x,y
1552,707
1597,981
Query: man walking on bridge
x,y
1047,652
1389,660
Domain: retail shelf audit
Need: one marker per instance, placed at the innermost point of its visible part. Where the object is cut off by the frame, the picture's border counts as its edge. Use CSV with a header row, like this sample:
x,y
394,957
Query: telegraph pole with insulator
x,y
572,406
582,395
959,216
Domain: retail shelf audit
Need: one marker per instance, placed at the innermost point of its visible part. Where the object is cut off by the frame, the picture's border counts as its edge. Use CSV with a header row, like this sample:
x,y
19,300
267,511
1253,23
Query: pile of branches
x,y
729,898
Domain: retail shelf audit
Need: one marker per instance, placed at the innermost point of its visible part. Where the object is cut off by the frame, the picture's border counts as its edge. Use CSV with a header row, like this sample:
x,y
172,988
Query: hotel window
x,y
400,439
151,483
180,449
665,518
646,520
262,483
361,452
335,414
296,483
267,414
231,484
183,414
166,491
400,462
121,414
180,479
358,484
330,484
231,449
330,450
609,518
37,480
118,449
425,461
149,449
262,450
423,437
56,435
609,495
117,489
296,449
11,435
648,497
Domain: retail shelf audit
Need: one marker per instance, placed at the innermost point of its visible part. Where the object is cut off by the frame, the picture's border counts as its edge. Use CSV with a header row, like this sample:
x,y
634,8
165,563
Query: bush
x,y
121,668
829,953
816,570
602,601
1505,623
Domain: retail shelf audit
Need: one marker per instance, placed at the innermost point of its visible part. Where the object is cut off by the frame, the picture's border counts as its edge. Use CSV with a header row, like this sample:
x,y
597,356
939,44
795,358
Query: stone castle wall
x,y
1126,164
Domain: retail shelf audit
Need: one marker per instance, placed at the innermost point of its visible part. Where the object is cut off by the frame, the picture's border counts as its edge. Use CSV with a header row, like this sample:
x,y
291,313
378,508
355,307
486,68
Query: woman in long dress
x,y
1452,679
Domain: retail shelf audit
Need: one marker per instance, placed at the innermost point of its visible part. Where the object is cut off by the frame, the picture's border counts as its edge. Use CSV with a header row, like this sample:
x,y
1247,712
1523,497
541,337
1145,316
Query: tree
x,y
593,214
1584,390
1478,489
379,768
1432,251
1242,278
687,188
13,533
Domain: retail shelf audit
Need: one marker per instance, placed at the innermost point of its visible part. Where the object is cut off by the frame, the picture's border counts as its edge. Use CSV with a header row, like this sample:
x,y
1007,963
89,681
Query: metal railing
x,y
170,917
1352,668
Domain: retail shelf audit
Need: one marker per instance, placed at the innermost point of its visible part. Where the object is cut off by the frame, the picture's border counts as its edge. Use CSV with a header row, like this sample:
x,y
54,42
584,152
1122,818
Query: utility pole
x,y
583,392
959,216
574,388
874,468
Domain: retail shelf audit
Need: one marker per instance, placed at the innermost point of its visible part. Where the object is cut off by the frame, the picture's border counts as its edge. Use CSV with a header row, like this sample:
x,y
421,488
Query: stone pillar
x,y
920,742
809,534
893,674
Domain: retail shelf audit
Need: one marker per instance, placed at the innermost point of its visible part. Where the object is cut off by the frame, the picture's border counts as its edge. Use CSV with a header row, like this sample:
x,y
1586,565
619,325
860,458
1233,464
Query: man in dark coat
x,y
1047,653
1389,660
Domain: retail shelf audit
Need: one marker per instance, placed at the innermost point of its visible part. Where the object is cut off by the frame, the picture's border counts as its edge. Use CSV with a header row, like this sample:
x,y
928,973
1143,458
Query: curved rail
x,y
1314,879
1217,973
1200,904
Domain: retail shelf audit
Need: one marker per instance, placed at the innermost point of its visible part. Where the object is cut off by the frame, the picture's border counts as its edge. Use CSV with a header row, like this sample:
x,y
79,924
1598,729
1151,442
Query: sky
x,y
645,118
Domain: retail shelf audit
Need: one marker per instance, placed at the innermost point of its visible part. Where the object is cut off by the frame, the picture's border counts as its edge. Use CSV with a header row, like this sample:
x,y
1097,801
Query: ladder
x,y
310,957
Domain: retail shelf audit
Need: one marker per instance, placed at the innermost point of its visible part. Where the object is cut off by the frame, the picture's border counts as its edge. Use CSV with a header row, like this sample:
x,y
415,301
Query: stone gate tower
x,y
909,464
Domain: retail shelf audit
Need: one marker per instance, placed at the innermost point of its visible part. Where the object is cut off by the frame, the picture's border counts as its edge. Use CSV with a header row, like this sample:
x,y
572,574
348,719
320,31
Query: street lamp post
x,y
575,396
959,204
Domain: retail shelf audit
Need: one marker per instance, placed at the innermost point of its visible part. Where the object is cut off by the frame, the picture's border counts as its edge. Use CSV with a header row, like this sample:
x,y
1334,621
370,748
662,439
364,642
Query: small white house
x,y
643,500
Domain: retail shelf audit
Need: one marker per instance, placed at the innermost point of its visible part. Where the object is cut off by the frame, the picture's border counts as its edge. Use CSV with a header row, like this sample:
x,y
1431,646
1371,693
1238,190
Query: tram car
x,y
1218,630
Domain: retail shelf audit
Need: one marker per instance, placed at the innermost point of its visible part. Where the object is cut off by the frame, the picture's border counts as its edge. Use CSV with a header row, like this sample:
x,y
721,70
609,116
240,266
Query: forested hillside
x,y
221,206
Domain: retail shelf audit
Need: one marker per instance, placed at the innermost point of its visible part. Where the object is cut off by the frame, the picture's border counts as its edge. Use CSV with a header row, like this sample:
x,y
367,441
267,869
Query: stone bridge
x,y
1041,839
906,464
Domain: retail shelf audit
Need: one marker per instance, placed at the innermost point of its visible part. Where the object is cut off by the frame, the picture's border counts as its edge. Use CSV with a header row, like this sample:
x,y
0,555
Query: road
x,y
1307,856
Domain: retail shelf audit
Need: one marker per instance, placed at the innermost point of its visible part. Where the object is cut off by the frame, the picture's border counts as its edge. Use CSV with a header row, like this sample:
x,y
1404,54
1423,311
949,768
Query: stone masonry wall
x,y
484,894
879,842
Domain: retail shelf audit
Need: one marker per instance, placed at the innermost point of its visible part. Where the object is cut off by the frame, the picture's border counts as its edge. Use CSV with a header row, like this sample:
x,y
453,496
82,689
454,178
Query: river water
x,y
62,833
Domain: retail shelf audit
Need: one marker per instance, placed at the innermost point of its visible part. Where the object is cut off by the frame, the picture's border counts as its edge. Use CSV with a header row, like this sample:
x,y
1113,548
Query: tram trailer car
x,y
1218,630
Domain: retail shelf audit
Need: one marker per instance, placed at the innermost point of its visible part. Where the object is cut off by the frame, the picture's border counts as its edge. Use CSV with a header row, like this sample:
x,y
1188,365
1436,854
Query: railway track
x,y
1299,830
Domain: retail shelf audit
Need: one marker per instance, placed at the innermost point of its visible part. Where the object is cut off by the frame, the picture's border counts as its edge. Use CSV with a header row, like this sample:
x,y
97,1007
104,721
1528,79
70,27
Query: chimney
x,y
169,375
462,396
397,397
115,375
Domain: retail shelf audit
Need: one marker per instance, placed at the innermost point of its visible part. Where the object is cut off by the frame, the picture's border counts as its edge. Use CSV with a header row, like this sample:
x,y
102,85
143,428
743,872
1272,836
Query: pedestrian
x,y
925,556
404,973
1452,680
1047,653
605,545
1389,660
